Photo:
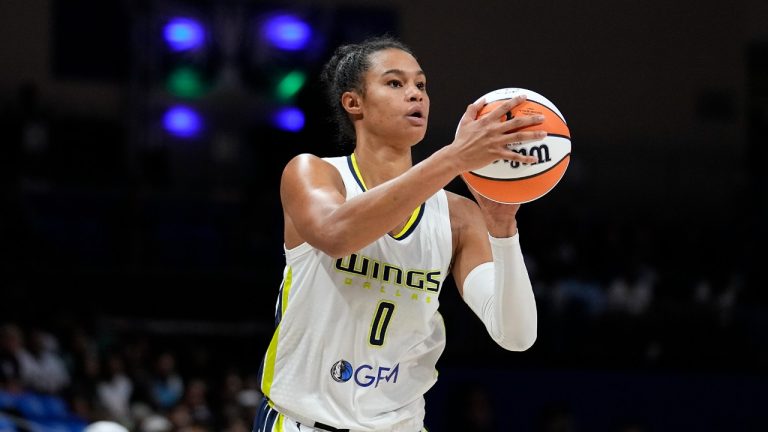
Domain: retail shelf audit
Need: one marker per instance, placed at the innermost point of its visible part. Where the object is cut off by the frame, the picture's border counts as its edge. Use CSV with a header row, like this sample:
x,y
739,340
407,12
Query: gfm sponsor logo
x,y
364,375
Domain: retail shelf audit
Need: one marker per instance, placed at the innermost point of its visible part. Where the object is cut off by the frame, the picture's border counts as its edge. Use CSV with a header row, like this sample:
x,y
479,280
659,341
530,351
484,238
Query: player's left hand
x,y
500,217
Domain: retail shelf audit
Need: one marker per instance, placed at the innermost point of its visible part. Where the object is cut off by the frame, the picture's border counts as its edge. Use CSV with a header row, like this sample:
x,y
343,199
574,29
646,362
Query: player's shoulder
x,y
305,162
305,158
461,208
310,169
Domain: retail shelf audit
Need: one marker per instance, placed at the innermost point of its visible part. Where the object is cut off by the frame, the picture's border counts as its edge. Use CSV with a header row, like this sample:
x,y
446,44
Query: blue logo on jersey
x,y
365,375
341,371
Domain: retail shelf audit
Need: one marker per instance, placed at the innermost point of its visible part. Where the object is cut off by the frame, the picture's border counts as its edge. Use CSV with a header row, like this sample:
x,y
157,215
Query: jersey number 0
x,y
380,322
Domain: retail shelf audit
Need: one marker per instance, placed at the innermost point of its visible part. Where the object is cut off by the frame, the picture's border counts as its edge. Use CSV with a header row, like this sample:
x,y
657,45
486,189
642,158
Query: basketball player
x,y
370,239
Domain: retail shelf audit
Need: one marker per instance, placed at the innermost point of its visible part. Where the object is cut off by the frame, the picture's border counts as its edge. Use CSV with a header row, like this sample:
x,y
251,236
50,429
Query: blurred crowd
x,y
134,381
628,295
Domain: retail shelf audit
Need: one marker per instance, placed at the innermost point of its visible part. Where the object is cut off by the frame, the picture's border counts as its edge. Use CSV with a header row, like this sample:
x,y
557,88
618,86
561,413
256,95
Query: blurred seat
x,y
39,412
6,424
7,401
58,426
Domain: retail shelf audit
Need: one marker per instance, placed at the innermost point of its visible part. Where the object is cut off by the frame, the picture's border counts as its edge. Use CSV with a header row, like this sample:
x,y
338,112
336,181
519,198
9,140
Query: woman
x,y
369,240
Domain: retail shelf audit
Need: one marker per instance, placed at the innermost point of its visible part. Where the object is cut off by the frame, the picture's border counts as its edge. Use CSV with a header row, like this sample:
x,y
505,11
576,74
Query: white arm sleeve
x,y
500,293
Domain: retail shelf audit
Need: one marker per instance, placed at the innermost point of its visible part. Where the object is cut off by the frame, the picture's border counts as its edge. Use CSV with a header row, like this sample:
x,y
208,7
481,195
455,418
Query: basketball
x,y
512,182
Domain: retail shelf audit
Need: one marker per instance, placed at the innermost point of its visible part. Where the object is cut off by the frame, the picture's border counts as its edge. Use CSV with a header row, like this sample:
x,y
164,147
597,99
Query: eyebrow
x,y
401,72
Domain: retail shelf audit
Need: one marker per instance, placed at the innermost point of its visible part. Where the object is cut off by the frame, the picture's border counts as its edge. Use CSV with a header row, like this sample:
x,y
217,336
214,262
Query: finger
x,y
505,107
516,156
520,122
472,110
516,138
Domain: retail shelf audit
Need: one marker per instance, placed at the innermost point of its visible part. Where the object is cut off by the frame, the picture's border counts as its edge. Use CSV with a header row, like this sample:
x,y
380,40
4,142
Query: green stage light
x,y
290,84
185,82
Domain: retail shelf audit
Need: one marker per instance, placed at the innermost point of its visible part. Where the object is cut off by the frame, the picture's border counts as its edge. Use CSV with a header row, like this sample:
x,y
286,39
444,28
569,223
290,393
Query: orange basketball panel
x,y
518,190
553,124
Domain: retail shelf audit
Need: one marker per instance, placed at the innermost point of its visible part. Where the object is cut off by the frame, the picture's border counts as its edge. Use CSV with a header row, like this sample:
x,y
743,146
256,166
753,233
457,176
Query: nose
x,y
414,94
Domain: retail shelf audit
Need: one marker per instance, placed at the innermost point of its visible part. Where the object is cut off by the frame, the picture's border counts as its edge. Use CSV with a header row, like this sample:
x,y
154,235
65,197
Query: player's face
x,y
395,102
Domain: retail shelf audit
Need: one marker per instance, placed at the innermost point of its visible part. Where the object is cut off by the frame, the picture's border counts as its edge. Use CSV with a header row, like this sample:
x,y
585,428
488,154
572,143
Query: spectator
x,y
10,369
114,389
196,399
166,386
42,367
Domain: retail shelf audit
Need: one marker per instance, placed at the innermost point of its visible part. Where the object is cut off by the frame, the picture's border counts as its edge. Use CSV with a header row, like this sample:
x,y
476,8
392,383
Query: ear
x,y
351,101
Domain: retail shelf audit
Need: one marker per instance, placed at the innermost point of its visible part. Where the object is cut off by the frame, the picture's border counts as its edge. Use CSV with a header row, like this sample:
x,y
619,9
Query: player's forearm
x,y
500,293
515,303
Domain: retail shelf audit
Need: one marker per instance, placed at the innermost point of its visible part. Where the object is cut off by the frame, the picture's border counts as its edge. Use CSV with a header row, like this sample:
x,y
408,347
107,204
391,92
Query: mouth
x,y
416,116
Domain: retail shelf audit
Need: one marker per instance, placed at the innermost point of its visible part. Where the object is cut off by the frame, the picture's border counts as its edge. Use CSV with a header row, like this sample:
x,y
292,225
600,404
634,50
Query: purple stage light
x,y
182,122
289,119
183,34
287,32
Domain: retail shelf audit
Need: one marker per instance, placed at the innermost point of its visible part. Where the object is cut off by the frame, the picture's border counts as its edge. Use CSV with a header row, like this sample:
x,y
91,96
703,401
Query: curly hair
x,y
344,72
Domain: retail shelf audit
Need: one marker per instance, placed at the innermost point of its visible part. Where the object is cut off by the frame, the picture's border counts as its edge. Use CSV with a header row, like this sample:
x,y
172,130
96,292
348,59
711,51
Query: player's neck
x,y
378,165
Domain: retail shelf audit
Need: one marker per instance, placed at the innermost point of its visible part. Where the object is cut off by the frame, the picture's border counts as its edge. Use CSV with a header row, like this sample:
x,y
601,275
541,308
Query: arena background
x,y
120,240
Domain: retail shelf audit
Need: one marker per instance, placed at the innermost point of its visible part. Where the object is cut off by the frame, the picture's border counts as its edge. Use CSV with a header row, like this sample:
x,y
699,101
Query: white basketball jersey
x,y
358,338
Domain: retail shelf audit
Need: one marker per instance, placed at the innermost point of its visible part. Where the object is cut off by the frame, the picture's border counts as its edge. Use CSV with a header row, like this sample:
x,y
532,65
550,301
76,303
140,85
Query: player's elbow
x,y
332,238
337,253
520,342
335,250
334,246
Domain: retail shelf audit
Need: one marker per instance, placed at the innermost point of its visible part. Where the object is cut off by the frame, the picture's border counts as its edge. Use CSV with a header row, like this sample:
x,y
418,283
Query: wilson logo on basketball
x,y
541,152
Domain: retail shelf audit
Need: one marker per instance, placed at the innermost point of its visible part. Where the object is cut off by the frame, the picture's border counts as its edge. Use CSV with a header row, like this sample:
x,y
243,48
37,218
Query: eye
x,y
394,83
421,86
